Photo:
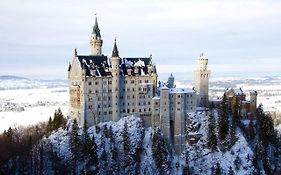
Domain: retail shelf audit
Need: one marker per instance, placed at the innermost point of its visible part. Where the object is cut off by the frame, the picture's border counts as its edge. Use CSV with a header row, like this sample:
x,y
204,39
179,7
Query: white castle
x,y
107,88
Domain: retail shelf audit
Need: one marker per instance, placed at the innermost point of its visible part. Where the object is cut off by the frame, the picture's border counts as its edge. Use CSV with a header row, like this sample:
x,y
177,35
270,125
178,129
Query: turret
x,y
202,75
171,81
115,62
165,113
96,41
253,102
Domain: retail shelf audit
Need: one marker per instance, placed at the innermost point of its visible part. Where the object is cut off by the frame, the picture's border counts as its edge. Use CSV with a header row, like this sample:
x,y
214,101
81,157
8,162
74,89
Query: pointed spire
x,y
115,52
75,52
96,30
69,67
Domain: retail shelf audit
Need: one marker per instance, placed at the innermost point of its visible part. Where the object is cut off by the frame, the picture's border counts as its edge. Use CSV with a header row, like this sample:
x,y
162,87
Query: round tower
x,y
202,75
96,41
115,62
253,102
171,81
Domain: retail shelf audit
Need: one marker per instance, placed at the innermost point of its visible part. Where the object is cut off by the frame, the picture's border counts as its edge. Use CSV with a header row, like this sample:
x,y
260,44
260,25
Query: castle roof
x,y
235,91
115,52
181,90
96,30
97,64
141,64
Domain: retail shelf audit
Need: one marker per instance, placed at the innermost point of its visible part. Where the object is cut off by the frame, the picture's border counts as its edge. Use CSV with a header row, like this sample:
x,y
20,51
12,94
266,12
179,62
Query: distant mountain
x,y
11,77
9,82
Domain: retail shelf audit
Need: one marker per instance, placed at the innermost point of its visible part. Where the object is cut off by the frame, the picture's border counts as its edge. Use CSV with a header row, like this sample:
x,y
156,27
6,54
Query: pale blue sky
x,y
37,37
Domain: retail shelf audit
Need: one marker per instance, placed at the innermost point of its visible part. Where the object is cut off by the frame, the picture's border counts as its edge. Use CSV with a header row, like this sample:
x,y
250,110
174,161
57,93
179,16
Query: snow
x,y
139,63
181,90
36,105
202,159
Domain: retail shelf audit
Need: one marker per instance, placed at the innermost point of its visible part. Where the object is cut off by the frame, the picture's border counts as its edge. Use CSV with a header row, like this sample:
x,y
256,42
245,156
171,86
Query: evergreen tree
x,y
230,171
212,138
216,169
49,127
126,139
235,113
87,143
74,145
266,127
160,152
223,119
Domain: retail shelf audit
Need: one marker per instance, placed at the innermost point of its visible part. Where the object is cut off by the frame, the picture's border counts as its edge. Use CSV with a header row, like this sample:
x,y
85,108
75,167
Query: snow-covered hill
x,y
200,159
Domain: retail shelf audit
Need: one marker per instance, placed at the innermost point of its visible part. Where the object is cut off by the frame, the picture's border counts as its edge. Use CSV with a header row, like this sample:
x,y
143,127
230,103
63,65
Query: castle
x,y
106,88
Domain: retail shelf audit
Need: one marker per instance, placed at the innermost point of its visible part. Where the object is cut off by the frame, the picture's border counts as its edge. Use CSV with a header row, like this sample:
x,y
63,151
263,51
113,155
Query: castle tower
x,y
253,102
115,62
171,81
165,113
96,41
202,75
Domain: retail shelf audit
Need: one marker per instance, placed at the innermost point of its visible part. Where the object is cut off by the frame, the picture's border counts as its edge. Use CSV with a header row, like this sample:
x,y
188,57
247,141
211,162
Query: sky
x,y
37,38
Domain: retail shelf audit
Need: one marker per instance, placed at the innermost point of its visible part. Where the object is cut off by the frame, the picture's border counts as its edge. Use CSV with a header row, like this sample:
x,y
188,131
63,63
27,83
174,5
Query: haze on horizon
x,y
37,38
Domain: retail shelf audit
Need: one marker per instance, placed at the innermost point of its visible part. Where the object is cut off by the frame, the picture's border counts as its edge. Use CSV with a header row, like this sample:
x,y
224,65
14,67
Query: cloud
x,y
39,33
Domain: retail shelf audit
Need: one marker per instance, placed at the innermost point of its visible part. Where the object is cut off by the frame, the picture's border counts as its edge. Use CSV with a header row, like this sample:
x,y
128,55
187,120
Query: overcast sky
x,y
37,38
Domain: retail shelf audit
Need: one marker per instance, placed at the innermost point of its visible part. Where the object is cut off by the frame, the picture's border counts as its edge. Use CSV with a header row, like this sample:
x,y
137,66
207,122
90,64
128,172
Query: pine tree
x,y
74,144
160,152
223,119
212,138
266,127
230,171
235,113
87,143
126,139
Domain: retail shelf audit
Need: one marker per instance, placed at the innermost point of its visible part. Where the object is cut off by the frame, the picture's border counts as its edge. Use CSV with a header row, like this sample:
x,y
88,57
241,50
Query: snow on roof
x,y
156,98
139,64
128,62
245,101
235,91
163,87
181,90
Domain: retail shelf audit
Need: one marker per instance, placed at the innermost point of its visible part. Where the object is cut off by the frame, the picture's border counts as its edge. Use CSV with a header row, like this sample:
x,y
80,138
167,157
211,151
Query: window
x,y
90,91
132,81
133,110
139,110
96,83
90,83
109,82
149,109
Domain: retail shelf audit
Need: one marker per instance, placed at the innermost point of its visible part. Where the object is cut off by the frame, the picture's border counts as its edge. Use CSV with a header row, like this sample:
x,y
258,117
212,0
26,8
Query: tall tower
x,y
253,102
115,62
165,113
202,75
171,81
96,41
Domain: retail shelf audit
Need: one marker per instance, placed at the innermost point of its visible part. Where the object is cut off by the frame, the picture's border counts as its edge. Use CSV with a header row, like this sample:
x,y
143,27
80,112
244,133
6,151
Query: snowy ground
x,y
30,106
